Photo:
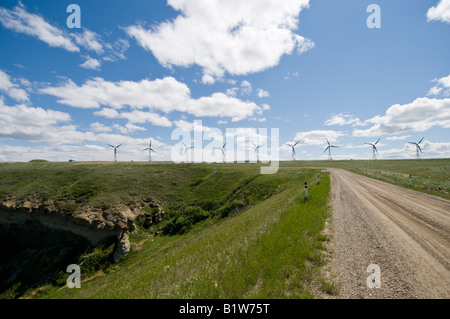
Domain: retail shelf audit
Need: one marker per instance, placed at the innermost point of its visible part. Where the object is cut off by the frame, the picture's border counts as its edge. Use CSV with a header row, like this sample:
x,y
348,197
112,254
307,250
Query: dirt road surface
x,y
405,233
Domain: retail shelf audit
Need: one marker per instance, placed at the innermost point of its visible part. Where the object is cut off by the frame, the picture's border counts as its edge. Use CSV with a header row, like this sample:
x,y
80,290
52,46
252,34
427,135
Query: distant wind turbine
x,y
417,147
223,150
329,149
293,149
115,151
374,148
257,150
186,149
150,150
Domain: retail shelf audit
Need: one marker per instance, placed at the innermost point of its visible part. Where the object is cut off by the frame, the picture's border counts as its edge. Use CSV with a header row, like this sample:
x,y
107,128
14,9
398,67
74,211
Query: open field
x,y
227,231
220,223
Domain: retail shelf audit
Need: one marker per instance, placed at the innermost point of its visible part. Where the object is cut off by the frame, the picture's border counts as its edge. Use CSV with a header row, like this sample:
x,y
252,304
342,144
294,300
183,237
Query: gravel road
x,y
405,233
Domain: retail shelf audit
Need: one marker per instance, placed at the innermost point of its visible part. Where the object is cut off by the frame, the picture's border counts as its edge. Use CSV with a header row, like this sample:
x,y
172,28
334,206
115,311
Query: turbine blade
x,y
111,145
145,149
224,145
297,142
326,149
378,140
119,145
419,148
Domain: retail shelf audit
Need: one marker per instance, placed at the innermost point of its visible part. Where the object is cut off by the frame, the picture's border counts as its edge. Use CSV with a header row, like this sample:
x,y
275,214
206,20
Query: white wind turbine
x,y
417,147
374,148
293,149
115,151
329,149
150,150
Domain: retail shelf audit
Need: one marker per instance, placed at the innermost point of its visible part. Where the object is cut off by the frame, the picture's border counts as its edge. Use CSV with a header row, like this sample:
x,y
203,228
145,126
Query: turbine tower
x,y
186,149
374,148
223,150
115,151
150,150
293,149
417,147
257,151
329,149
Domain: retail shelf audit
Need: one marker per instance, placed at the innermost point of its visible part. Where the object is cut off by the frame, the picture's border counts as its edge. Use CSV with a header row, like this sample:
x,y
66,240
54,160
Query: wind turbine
x,y
150,150
293,149
186,149
374,148
329,149
115,151
257,151
417,147
222,149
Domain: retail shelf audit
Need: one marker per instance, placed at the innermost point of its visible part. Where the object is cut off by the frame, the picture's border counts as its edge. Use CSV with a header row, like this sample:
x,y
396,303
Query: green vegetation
x,y
273,249
220,221
430,176
227,231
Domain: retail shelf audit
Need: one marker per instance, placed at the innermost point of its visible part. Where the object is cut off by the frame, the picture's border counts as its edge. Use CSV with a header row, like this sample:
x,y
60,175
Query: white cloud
x,y
246,87
317,137
165,95
91,63
398,138
31,123
208,79
343,119
21,21
262,93
418,116
238,37
232,91
11,89
442,83
146,117
440,12
99,127
108,113
128,128
88,40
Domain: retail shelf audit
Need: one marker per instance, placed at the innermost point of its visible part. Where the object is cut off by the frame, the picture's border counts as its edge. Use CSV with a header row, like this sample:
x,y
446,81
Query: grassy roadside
x,y
271,250
431,176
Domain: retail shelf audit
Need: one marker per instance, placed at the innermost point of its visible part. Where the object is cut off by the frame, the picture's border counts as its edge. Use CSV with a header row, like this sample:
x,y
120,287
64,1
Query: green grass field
x,y
228,231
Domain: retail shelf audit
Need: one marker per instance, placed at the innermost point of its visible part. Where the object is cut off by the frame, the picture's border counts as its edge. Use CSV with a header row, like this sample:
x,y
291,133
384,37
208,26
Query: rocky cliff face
x,y
31,223
34,226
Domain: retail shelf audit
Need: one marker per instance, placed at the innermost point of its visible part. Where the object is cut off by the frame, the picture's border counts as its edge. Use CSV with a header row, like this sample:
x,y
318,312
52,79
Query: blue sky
x,y
141,70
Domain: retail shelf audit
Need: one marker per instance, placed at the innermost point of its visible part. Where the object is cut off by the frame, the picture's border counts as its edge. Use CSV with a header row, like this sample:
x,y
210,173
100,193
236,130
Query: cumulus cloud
x,y
99,127
31,123
166,95
442,85
317,137
262,93
343,119
91,64
238,37
12,89
440,12
418,116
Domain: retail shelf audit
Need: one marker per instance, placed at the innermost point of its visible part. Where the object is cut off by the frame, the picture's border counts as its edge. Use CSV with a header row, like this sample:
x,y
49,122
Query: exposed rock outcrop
x,y
93,224
123,247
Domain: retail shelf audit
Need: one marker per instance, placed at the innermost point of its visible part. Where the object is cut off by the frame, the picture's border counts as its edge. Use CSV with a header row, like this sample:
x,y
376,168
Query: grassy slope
x,y
270,250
